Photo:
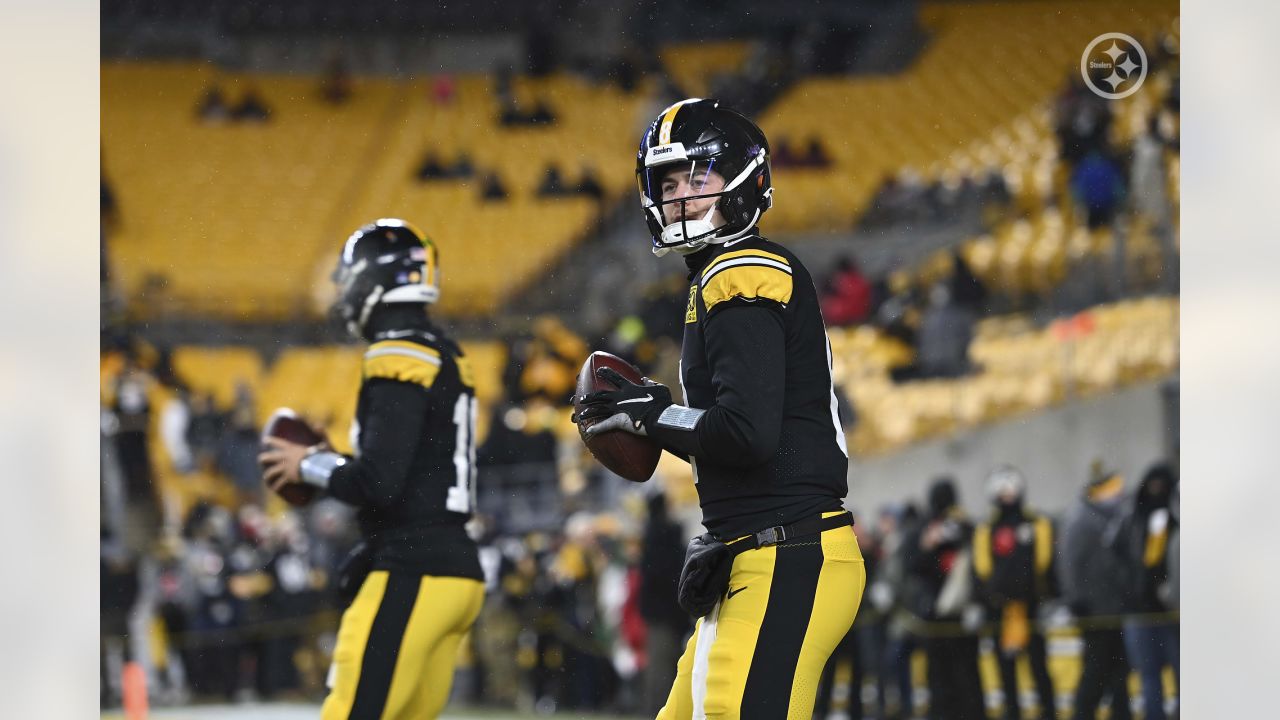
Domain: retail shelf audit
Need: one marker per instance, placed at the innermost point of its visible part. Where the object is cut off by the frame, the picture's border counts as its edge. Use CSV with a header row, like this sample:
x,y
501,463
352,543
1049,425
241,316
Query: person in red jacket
x,y
847,299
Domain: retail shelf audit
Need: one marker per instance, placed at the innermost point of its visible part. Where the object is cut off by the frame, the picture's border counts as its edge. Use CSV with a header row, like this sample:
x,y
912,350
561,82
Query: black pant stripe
x,y
786,619
383,646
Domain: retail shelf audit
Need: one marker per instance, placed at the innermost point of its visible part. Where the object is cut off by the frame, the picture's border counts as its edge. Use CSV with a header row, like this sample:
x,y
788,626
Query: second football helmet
x,y
705,136
386,261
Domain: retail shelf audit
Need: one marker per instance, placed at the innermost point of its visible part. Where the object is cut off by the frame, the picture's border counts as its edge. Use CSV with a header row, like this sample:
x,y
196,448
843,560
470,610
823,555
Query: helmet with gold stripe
x,y
386,261
703,174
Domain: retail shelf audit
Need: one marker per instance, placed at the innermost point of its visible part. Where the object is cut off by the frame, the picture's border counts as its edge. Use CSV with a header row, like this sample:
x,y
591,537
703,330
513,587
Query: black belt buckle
x,y
771,536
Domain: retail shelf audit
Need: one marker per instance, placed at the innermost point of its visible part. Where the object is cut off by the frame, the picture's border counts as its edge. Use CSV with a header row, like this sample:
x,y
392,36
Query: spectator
x,y
1148,180
204,431
1152,643
443,89
1094,581
109,207
252,108
1012,558
1098,186
967,290
589,185
847,300
131,407
510,114
215,668
815,155
335,86
214,110
784,156
291,595
893,592
118,577
430,168
238,457
552,185
938,558
462,168
1147,174
661,557
493,189
946,328
542,114
166,596
175,424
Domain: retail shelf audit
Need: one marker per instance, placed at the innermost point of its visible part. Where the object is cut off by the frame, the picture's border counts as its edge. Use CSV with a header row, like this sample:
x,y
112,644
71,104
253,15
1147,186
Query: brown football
x,y
287,425
633,457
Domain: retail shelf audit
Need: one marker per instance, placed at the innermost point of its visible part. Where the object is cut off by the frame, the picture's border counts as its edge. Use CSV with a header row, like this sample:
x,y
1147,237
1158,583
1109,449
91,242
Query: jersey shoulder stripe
x,y
756,253
402,360
747,274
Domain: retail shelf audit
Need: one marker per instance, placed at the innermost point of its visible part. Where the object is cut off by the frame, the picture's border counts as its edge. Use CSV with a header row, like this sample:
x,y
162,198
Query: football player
x,y
412,478
758,423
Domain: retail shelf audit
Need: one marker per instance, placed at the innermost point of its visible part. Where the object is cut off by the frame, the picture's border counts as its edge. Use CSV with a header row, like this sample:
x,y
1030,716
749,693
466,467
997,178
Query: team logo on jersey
x,y
691,314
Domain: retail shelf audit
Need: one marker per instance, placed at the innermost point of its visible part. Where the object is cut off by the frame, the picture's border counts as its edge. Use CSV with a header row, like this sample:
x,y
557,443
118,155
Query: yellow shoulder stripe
x,y
749,280
738,254
403,361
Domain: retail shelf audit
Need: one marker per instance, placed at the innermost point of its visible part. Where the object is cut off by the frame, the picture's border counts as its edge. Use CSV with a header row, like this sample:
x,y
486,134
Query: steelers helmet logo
x,y
1114,66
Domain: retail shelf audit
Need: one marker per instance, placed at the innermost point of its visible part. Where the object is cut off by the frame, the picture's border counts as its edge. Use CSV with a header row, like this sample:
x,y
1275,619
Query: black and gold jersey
x,y
413,475
769,450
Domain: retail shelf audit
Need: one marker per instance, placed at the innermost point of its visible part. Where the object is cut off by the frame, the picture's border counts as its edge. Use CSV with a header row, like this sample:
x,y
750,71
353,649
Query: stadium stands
x,y
240,220
692,65
973,77
1022,369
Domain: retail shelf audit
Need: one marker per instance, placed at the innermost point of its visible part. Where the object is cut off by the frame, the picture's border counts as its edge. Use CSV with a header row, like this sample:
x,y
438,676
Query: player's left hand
x,y
281,462
630,408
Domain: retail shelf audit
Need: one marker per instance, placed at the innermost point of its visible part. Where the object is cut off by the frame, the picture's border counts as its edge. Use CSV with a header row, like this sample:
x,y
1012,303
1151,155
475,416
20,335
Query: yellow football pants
x,y
759,655
397,646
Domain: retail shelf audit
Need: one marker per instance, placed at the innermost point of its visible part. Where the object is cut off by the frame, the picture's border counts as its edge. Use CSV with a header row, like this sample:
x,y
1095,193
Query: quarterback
x,y
758,423
412,478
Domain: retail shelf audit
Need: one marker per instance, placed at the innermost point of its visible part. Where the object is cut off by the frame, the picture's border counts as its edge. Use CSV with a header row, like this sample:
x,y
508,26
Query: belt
x,y
782,533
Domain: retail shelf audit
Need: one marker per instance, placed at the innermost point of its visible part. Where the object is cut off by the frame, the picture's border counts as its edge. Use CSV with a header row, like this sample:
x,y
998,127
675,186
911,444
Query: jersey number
x,y
464,455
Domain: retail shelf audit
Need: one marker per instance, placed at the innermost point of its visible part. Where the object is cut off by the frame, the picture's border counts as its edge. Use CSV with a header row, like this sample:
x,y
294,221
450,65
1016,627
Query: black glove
x,y
631,407
704,578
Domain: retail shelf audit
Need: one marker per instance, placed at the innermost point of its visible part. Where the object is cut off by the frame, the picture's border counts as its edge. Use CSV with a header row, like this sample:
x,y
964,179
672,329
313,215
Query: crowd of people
x,y
580,610
580,614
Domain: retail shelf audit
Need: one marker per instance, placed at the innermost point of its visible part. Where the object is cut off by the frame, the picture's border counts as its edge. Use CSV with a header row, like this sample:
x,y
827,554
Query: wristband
x,y
679,417
316,467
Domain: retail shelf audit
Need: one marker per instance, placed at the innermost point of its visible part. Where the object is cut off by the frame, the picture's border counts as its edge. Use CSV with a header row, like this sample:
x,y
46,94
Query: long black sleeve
x,y
387,444
746,353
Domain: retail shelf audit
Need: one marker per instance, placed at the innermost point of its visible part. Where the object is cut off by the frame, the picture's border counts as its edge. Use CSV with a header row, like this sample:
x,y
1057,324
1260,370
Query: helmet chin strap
x,y
686,228
356,327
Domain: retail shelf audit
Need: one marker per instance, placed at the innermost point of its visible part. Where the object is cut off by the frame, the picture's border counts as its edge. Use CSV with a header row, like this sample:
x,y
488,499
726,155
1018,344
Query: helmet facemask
x,y
689,230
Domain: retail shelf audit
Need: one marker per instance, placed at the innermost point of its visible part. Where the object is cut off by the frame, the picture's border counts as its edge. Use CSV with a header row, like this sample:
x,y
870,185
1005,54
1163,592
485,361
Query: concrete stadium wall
x,y
1054,449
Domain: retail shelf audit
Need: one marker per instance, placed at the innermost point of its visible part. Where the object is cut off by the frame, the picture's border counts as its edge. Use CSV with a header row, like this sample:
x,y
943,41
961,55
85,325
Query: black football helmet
x,y
705,135
386,261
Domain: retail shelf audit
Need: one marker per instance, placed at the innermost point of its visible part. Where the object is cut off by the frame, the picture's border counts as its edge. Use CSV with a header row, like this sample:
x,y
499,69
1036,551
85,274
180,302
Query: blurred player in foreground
x,y
778,578
418,578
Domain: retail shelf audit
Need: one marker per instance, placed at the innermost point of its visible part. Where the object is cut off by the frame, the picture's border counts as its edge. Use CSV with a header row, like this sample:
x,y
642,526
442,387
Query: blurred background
x,y
996,246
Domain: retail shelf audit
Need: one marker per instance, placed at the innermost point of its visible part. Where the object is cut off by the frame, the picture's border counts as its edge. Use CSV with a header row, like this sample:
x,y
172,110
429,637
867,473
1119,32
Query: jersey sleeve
x,y
746,276
394,425
746,352
397,376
